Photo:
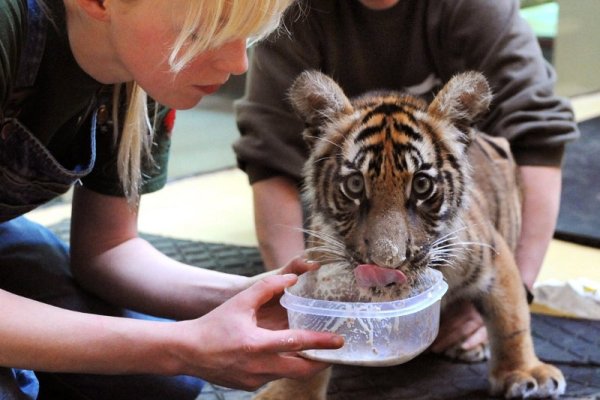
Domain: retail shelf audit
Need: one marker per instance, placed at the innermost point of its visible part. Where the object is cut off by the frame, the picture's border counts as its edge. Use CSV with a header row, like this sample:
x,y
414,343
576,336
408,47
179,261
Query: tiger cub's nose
x,y
386,253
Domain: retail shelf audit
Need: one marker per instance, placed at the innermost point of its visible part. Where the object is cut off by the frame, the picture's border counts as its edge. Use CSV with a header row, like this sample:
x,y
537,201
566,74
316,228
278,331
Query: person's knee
x,y
108,387
27,244
34,263
18,384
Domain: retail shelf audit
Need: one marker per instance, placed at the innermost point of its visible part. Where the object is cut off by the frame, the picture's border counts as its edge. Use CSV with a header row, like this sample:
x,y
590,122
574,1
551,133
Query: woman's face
x,y
379,4
142,35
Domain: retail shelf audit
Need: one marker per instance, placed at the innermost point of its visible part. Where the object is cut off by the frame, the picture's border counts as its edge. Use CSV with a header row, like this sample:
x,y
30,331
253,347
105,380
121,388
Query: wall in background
x,y
577,48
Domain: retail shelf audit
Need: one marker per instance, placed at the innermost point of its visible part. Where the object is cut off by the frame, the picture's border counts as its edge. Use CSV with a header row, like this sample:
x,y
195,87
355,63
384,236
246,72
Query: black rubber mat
x,y
579,219
573,345
239,260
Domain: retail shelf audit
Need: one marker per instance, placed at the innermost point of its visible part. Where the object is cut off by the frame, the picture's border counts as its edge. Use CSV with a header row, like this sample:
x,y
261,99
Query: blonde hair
x,y
209,24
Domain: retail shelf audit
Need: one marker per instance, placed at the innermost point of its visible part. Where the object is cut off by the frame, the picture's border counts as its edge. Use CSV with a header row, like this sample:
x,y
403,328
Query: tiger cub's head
x,y
387,174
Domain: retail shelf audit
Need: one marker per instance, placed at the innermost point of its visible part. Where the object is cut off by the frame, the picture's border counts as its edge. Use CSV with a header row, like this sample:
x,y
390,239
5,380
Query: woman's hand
x,y
229,346
461,325
297,266
272,315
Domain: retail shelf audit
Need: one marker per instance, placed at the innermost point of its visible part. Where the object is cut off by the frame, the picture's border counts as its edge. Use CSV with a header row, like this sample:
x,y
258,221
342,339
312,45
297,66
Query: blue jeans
x,y
34,263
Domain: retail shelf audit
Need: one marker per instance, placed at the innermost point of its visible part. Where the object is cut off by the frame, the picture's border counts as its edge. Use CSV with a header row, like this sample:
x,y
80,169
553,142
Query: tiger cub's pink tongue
x,y
371,275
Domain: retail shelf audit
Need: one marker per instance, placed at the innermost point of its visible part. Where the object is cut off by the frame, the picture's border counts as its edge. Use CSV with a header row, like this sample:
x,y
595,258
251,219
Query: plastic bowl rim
x,y
395,308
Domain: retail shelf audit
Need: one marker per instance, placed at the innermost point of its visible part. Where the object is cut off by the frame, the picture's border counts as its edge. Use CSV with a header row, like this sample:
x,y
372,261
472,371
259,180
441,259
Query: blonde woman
x,y
74,75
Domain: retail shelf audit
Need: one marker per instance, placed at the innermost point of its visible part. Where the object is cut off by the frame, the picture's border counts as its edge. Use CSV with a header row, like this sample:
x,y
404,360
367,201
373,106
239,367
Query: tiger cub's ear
x,y
317,99
464,98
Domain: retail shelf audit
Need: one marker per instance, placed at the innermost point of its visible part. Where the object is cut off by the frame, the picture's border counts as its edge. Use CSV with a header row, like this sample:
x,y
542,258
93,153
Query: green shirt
x,y
59,107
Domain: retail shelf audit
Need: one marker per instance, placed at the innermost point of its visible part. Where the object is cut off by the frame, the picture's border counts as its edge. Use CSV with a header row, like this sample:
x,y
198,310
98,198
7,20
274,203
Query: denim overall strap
x,y
29,173
33,50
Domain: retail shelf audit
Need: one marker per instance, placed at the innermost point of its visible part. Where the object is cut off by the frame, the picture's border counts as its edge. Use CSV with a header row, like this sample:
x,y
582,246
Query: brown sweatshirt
x,y
417,45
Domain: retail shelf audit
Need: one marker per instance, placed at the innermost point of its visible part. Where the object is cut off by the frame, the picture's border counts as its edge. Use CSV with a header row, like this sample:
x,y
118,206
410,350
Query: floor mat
x,y
571,344
579,218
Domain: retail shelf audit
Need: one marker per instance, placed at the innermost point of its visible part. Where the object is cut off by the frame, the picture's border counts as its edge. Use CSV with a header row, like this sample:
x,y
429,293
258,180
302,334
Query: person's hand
x,y
460,325
272,315
297,266
229,348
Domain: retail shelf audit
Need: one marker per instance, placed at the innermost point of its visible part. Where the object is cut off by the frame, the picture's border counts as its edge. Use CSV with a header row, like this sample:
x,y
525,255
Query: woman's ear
x,y
96,9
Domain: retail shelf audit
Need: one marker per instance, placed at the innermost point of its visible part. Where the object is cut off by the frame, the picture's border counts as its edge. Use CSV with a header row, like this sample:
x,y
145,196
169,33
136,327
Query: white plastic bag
x,y
578,298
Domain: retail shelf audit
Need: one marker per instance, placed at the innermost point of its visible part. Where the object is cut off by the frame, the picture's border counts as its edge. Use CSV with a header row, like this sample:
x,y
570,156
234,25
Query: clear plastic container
x,y
376,334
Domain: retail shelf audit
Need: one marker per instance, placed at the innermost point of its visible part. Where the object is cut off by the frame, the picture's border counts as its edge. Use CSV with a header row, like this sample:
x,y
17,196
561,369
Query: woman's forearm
x,y
37,336
135,275
109,259
227,346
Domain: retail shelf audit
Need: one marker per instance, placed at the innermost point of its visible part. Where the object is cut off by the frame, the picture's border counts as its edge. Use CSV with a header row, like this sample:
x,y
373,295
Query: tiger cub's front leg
x,y
515,370
314,388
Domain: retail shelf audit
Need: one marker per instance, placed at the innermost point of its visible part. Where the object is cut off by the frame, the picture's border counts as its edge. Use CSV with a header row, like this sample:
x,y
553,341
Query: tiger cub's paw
x,y
474,355
541,381
281,390
270,391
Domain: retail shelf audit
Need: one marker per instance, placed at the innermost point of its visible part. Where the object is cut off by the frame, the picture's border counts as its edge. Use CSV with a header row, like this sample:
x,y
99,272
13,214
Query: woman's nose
x,y
232,57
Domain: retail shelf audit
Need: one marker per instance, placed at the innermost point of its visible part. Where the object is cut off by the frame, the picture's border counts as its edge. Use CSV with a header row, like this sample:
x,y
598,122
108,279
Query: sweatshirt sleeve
x,y
490,36
271,142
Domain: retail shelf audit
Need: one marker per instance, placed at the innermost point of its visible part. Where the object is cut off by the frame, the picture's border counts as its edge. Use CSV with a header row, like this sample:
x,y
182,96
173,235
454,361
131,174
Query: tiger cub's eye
x,y
422,185
353,185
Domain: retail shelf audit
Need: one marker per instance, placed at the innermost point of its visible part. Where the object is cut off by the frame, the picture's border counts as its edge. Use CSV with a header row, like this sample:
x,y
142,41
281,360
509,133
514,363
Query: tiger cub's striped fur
x,y
402,184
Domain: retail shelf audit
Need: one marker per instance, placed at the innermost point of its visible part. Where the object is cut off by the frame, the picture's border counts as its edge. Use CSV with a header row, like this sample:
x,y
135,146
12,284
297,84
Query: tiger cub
x,y
395,185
